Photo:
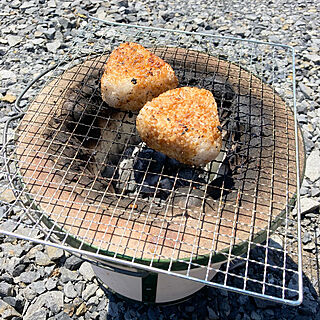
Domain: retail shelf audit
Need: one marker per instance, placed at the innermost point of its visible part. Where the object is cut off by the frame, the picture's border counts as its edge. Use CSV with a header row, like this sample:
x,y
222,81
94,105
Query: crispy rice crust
x,y
183,124
133,75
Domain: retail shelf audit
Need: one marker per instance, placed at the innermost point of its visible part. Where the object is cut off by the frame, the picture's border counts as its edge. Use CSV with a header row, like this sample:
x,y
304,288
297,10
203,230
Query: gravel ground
x,y
37,282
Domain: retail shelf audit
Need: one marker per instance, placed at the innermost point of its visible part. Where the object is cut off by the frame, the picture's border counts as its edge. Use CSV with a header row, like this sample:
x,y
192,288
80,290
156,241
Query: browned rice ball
x,y
133,75
183,124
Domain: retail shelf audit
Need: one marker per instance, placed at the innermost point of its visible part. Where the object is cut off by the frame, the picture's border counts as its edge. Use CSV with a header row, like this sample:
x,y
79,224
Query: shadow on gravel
x,y
210,303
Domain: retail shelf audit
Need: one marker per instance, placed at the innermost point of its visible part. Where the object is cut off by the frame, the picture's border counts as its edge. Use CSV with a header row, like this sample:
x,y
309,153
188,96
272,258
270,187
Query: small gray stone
x,y
42,259
54,253
313,166
6,278
13,40
3,51
251,16
6,289
315,191
93,301
52,4
8,225
37,41
29,277
308,205
86,271
38,286
62,316
40,314
15,303
7,311
7,74
212,314
28,293
307,91
68,275
51,284
53,46
255,315
306,237
52,300
302,118
79,286
73,262
89,291
99,293
240,31
304,191
102,305
274,38
10,250
69,290
315,58
50,33
27,4
310,246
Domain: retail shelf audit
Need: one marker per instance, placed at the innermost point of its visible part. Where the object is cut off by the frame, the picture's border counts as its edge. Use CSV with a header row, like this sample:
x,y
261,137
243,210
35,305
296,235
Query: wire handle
x,y
29,85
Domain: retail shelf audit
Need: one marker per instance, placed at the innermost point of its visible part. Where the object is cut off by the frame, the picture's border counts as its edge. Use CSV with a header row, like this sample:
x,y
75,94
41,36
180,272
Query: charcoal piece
x,y
166,184
148,160
151,179
108,171
185,174
172,164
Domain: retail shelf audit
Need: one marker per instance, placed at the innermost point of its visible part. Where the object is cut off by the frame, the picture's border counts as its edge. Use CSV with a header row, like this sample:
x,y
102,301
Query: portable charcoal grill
x,y
156,230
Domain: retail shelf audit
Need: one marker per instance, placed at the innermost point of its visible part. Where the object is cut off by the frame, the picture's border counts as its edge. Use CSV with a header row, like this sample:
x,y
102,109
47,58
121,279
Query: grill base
x,y
153,288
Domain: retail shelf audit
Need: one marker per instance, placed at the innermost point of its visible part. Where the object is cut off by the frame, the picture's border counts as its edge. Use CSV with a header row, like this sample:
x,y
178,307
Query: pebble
x,y
42,259
68,275
7,74
7,195
81,309
7,311
307,91
306,237
49,33
212,314
29,277
73,262
27,4
40,314
38,286
14,302
308,204
69,290
52,300
53,46
62,316
54,253
13,40
312,171
86,271
6,289
89,291
51,284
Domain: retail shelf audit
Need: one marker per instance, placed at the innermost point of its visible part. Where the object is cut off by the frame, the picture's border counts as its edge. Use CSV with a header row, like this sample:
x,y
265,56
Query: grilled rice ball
x,y
182,123
133,75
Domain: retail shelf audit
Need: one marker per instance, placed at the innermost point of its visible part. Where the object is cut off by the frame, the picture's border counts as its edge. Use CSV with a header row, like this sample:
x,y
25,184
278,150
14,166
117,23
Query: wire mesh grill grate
x,y
82,179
